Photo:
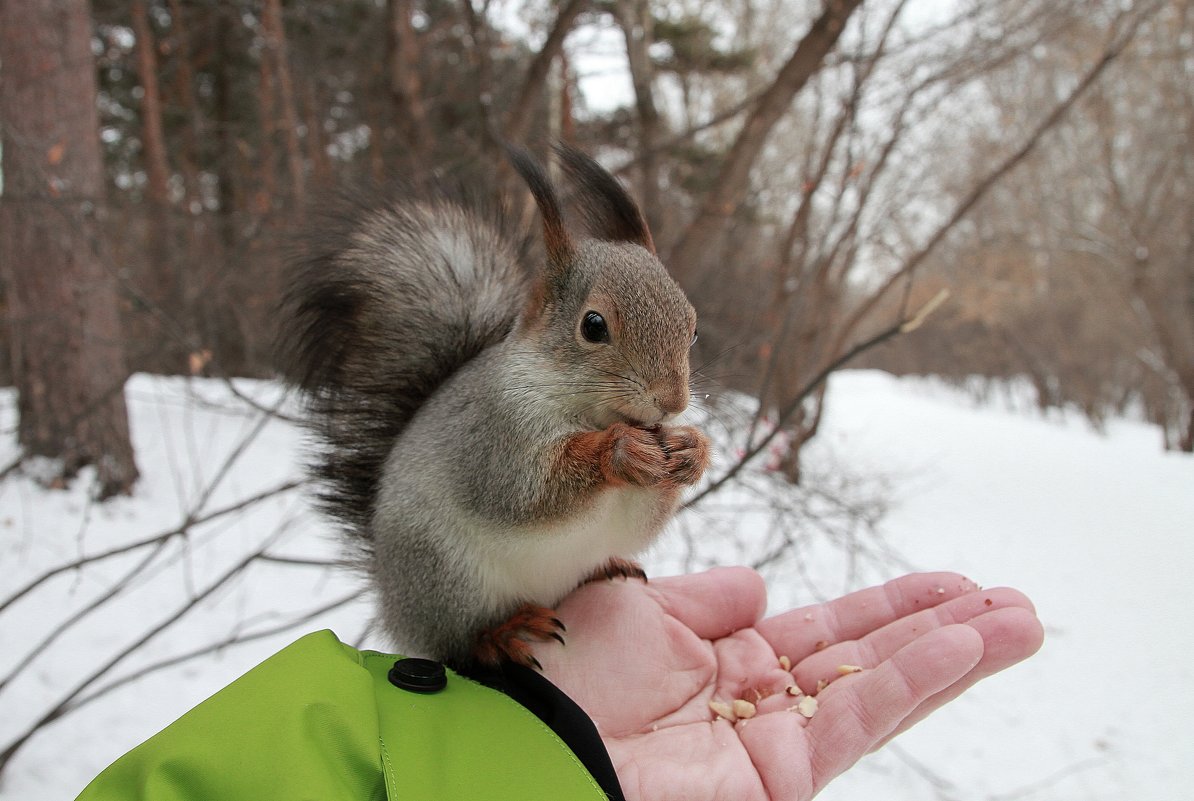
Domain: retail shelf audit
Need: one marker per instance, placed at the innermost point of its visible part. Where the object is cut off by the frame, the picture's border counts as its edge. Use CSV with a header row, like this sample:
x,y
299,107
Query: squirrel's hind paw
x,y
615,568
511,641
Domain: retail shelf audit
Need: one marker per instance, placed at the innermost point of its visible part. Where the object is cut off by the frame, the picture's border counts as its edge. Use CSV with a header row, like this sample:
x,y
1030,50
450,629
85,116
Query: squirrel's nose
x,y
672,399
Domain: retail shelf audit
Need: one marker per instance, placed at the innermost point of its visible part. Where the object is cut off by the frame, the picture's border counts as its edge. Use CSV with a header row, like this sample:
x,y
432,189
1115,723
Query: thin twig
x,y
233,640
795,402
64,704
157,538
116,587
992,178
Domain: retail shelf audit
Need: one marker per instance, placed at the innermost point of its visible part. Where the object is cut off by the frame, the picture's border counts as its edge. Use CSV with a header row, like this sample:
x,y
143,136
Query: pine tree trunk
x,y
276,49
406,88
67,349
159,246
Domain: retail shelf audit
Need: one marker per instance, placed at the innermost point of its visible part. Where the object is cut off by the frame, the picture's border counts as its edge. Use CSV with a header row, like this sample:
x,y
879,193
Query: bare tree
x,y
68,358
274,33
405,83
733,179
1078,274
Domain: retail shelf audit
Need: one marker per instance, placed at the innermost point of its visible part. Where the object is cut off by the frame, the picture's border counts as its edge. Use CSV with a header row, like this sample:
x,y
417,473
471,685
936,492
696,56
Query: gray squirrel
x,y
494,433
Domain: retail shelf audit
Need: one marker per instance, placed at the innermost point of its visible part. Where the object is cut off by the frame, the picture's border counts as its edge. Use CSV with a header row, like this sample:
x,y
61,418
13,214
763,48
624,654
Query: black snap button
x,y
418,675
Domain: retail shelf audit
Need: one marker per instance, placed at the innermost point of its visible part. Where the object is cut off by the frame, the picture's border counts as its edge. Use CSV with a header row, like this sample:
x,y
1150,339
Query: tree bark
x,y
159,247
275,45
634,17
406,88
153,140
67,350
518,124
490,139
192,132
733,180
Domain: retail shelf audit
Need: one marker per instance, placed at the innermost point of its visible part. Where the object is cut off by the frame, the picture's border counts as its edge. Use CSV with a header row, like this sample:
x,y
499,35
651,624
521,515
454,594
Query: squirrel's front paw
x,y
511,641
633,456
687,451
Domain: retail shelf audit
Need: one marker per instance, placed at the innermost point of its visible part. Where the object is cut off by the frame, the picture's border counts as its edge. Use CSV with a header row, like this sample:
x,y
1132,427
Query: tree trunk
x,y
275,46
159,244
479,53
406,87
67,350
518,123
733,180
634,16
153,140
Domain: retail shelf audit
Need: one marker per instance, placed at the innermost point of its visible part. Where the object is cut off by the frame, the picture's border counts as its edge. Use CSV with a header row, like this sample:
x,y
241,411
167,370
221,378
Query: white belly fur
x,y
543,563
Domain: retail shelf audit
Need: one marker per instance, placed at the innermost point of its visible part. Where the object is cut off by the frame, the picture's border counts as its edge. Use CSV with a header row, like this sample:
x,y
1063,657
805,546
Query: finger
x,y
715,603
878,645
1009,636
853,716
803,631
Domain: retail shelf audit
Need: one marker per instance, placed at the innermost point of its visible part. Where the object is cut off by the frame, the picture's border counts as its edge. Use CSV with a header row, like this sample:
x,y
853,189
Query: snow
x,y
1095,527
1099,531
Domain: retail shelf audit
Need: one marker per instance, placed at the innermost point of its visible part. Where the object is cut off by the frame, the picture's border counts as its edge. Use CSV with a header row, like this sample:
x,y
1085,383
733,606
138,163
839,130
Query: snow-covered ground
x,y
1097,528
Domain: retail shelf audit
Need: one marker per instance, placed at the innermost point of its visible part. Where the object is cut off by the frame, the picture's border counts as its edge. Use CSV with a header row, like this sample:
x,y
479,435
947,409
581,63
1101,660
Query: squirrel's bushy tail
x,y
383,305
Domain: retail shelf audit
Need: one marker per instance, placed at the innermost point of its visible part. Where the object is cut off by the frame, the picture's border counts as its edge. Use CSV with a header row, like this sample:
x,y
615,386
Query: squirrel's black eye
x,y
593,327
695,334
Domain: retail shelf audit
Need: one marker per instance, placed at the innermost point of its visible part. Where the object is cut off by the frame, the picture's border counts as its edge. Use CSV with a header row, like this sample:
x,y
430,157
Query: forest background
x,y
813,176
985,192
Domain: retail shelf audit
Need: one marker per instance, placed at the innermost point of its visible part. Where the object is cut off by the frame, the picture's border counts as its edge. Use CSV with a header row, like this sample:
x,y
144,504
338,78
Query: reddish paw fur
x,y
511,641
687,451
615,568
633,456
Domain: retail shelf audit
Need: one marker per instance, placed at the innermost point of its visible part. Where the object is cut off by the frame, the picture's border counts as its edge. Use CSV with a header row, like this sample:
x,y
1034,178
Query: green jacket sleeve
x,y
321,720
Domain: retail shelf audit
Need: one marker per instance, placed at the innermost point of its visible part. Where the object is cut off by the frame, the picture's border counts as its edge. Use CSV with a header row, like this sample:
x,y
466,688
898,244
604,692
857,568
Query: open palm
x,y
645,660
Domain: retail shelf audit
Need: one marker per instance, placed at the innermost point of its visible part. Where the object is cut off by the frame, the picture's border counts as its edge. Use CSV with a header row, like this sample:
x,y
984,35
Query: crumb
x,y
744,709
722,710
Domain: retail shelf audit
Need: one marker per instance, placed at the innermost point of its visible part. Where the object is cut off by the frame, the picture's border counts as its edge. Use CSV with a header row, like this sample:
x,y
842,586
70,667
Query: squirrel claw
x,y
511,640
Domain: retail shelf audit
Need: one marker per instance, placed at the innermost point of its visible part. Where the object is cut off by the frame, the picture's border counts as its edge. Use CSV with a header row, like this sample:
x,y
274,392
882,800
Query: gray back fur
x,y
384,304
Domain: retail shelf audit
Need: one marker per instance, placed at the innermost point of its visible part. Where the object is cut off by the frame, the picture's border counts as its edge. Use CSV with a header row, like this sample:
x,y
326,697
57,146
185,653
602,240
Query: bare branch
x,y
116,588
798,399
732,180
980,190
64,704
237,639
190,522
519,120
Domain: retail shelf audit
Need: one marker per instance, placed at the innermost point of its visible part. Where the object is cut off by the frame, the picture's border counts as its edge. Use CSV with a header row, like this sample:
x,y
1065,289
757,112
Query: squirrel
x,y
494,433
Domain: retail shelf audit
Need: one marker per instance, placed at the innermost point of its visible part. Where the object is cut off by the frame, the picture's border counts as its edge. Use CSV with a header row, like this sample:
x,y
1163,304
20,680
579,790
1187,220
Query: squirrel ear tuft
x,y
558,243
608,209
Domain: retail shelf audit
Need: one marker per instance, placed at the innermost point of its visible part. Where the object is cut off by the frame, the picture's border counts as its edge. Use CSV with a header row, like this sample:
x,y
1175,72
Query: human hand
x,y
645,660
